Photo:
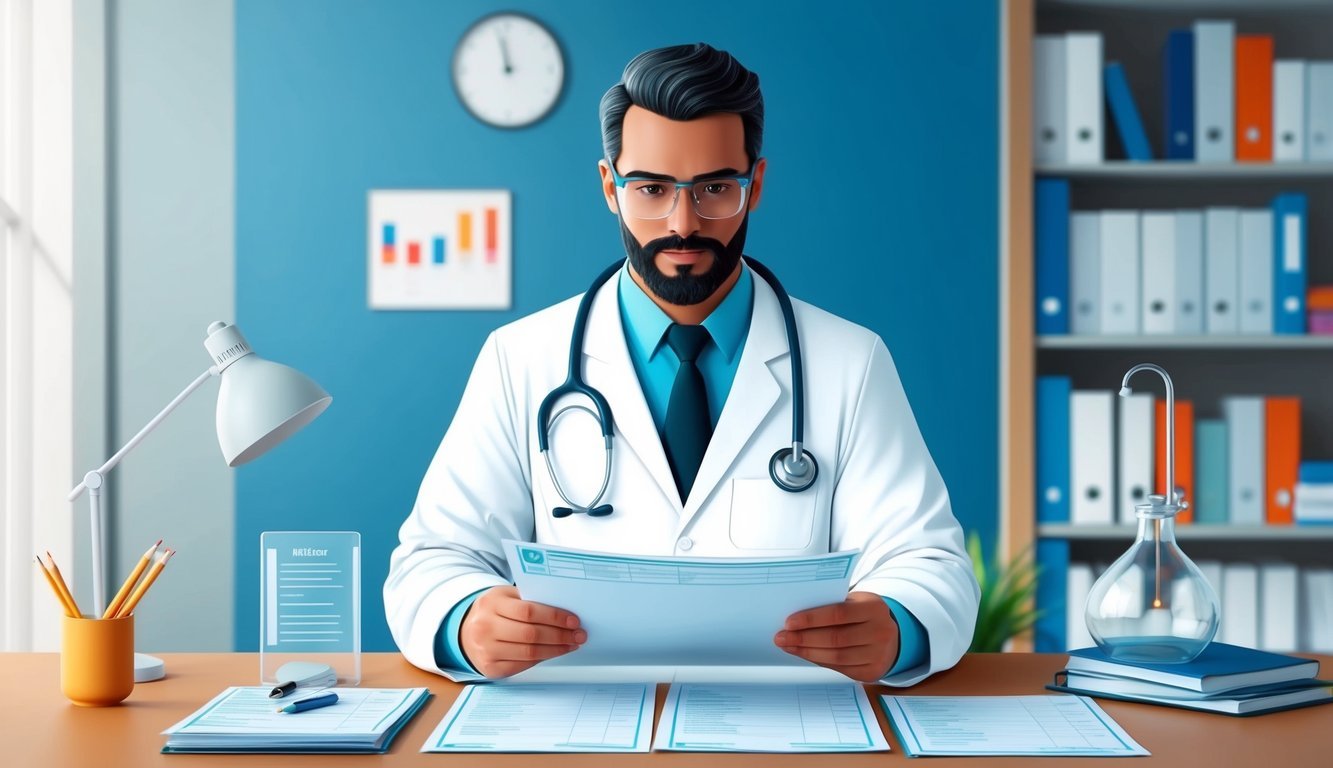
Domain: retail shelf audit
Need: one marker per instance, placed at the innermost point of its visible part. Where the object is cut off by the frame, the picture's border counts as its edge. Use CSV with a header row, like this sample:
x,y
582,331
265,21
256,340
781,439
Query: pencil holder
x,y
97,660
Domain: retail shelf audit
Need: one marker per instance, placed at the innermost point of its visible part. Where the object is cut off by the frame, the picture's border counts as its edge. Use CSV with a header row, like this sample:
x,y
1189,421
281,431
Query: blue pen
x,y
310,702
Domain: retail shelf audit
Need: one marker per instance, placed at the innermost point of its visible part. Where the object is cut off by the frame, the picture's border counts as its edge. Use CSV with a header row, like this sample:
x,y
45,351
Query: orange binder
x,y
1254,98
1184,454
1282,457
1320,298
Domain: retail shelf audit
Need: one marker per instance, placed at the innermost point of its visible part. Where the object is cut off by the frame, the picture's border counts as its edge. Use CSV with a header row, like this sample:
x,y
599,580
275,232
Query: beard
x,y
684,288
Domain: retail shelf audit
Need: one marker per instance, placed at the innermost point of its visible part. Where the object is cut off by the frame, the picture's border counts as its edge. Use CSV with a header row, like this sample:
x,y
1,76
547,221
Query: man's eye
x,y
651,189
717,187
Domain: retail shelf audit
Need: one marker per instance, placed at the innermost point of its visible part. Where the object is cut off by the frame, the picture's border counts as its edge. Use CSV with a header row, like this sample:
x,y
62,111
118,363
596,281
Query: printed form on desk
x,y
505,717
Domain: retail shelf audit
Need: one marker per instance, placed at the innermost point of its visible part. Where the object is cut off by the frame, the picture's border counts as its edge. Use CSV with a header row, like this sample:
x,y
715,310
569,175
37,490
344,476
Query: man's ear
x,y
757,184
608,186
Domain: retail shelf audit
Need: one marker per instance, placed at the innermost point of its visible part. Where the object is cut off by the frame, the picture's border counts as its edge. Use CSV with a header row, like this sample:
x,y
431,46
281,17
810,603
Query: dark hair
x,y
683,82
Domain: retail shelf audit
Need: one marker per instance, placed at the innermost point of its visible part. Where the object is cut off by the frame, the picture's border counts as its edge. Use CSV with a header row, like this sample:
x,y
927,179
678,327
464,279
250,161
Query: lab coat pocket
x,y
766,517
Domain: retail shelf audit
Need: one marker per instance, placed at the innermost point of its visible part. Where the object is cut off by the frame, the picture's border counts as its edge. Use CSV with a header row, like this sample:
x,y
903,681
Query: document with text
x,y
768,718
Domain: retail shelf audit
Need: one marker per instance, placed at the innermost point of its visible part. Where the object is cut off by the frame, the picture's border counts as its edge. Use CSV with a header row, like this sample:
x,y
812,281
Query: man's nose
x,y
684,221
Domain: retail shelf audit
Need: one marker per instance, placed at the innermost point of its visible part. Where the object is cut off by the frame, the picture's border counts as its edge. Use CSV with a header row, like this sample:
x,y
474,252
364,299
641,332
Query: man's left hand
x,y
857,637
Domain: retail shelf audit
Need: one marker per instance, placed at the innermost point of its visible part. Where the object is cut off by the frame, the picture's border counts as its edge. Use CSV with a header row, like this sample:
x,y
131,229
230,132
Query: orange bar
x,y
1282,448
464,231
1184,454
386,254
1254,98
1320,297
492,224
413,252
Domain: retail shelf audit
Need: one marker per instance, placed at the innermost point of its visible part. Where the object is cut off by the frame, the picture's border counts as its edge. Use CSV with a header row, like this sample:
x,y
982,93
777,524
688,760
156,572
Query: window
x,y
36,313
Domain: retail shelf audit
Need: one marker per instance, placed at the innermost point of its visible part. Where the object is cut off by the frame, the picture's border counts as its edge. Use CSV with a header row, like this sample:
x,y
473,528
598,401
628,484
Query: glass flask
x,y
1153,604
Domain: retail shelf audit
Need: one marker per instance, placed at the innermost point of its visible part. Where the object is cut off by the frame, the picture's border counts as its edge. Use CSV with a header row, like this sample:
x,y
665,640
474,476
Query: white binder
x,y
1319,110
1083,97
1277,607
1240,607
1136,451
1090,458
1245,459
1256,271
1289,110
1158,246
1317,586
1085,265
1048,91
1078,582
1221,267
1120,272
1214,91
1189,272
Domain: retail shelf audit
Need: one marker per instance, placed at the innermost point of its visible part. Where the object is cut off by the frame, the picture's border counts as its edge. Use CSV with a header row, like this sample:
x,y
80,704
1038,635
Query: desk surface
x,y
40,728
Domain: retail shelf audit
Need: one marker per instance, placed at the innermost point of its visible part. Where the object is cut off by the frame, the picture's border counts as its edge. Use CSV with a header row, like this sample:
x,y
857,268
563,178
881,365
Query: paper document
x,y
676,610
1007,725
769,718
547,718
246,719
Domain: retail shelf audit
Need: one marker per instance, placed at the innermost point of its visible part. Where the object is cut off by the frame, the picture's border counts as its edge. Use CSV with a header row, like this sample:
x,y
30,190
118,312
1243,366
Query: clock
x,y
508,70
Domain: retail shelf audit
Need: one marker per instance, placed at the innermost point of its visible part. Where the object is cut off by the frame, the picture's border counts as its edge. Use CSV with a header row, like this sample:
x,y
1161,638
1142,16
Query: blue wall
x,y
881,206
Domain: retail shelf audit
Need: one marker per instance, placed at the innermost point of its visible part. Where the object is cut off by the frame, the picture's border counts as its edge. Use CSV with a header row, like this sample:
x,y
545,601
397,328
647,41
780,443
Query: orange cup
x,y
97,660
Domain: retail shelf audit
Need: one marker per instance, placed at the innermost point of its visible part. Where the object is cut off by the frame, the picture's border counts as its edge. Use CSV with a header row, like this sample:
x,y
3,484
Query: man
x,y
691,354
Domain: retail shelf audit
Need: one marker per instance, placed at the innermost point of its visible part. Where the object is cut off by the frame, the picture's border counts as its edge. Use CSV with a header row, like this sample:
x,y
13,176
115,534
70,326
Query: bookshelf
x,y
1205,368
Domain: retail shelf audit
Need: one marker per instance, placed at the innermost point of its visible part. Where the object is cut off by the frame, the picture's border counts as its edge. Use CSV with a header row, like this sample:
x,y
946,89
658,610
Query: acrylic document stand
x,y
310,602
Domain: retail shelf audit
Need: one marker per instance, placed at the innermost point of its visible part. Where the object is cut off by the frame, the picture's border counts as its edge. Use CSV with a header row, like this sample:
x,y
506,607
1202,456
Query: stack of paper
x,y
245,719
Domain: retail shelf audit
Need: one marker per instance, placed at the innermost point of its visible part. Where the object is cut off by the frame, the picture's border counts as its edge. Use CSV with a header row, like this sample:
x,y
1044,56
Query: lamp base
x,y
148,668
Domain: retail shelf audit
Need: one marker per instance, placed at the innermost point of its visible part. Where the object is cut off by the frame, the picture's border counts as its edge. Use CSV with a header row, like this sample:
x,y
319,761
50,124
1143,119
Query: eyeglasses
x,y
719,197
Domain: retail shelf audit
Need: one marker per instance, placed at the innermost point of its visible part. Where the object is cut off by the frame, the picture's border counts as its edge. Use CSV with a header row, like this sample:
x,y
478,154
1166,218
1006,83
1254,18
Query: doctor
x,y
688,345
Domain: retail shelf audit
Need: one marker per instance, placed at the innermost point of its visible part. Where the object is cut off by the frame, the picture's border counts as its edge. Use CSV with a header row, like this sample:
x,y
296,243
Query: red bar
x,y
492,225
413,252
386,254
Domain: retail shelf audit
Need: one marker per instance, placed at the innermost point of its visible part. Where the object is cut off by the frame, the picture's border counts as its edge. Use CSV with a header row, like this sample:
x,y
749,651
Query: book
x,y
1247,701
1221,667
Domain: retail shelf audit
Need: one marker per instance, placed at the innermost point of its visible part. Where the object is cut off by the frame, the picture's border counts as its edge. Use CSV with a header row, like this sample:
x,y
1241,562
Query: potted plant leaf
x,y
1006,608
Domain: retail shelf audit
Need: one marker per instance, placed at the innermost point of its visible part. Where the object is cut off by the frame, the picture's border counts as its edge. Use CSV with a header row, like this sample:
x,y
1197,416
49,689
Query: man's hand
x,y
502,634
857,637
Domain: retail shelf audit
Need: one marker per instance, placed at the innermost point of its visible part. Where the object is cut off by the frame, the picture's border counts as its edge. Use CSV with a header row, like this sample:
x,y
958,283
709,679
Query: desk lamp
x,y
1153,604
260,404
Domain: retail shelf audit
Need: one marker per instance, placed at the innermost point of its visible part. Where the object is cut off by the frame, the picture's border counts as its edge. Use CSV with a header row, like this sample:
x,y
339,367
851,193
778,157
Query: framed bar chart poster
x,y
440,249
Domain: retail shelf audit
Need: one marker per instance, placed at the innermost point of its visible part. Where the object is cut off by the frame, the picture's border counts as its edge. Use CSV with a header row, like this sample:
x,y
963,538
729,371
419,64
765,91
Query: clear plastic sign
x,y
310,602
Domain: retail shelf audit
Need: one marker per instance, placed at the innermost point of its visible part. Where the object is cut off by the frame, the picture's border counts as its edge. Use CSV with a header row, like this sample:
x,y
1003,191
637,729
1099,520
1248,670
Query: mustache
x,y
678,243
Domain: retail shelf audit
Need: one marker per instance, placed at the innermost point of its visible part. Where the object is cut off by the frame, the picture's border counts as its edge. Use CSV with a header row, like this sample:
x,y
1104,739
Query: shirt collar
x,y
646,324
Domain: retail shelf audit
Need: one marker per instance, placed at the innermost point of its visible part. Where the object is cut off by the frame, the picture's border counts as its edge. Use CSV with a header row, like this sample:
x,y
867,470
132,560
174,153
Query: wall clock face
x,y
508,70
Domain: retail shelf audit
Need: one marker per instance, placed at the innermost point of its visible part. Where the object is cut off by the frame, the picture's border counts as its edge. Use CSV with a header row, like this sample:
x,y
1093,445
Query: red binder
x,y
1184,453
1254,98
1282,457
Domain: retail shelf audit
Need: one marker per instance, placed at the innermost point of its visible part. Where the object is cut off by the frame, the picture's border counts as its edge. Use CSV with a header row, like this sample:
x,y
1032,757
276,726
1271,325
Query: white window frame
x,y
36,312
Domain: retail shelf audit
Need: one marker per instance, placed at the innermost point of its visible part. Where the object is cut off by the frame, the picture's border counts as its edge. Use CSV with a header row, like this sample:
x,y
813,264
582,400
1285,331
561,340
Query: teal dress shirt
x,y
655,364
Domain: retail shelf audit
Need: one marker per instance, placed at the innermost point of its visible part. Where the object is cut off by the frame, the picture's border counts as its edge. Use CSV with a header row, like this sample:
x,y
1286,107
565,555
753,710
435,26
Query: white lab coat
x,y
878,489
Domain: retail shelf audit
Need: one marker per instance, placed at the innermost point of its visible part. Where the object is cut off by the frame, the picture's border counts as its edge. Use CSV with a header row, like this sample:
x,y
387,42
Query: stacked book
x,y
1314,492
1224,678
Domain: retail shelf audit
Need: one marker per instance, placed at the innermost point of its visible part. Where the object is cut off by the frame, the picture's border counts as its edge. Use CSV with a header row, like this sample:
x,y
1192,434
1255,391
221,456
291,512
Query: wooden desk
x,y
41,729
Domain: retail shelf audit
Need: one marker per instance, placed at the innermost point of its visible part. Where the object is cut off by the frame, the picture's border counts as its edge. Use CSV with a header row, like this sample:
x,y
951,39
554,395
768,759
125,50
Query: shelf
x,y
1193,532
1268,7
1185,342
1119,170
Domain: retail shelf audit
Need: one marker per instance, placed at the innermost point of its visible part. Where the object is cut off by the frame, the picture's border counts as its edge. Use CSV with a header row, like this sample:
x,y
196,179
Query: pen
x,y
310,702
133,579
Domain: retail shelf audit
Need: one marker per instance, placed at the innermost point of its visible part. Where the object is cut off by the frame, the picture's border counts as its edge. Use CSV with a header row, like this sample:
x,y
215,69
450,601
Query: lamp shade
x,y
260,403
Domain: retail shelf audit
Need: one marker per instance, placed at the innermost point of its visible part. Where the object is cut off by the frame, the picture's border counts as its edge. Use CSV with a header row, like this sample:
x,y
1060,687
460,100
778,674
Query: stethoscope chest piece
x,y
790,473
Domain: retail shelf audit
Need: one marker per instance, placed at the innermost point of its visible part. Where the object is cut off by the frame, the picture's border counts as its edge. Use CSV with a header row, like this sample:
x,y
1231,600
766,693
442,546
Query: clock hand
x,y
504,54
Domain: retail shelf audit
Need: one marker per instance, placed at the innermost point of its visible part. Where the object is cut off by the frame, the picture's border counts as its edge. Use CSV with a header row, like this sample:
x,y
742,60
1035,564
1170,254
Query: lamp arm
x,y
149,427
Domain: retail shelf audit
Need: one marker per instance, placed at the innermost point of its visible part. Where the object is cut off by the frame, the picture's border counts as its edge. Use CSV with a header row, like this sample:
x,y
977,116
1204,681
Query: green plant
x,y
1006,606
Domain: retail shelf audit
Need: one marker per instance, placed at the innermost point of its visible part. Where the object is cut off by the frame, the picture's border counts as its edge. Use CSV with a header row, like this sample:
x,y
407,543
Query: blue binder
x,y
1178,109
1289,259
1048,634
1052,256
1053,468
1126,114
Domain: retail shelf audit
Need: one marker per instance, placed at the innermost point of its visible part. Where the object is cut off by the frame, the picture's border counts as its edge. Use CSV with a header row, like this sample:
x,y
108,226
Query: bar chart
x,y
439,249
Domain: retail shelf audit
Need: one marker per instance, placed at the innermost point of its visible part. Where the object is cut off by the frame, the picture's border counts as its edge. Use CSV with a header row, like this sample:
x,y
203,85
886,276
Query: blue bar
x,y
389,234
439,250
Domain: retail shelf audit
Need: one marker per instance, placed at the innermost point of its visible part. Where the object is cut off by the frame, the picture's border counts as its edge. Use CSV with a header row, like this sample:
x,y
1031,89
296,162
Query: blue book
x,y
1126,114
1052,596
1053,469
1052,256
1221,667
1178,90
1289,232
1316,472
1211,493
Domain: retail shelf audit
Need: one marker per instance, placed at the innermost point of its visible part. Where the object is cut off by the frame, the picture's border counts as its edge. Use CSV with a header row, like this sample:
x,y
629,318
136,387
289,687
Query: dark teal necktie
x,y
688,425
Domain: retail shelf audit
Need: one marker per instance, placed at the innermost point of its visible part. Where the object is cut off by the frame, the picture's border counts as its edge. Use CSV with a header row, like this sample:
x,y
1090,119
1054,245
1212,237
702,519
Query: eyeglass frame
x,y
744,181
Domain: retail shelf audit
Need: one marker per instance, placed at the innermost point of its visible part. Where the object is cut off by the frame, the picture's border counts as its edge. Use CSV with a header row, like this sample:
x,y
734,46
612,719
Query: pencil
x,y
131,581
128,607
69,609
60,584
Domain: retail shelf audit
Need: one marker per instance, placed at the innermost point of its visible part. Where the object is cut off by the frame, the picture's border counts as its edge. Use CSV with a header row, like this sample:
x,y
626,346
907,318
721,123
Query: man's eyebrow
x,y
699,177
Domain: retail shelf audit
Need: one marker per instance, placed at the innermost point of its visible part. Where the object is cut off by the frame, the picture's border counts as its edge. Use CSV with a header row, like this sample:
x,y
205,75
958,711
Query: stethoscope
x,y
792,469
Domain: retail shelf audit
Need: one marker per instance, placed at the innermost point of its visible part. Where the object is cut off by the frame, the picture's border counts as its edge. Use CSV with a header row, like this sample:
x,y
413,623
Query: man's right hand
x,y
503,634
